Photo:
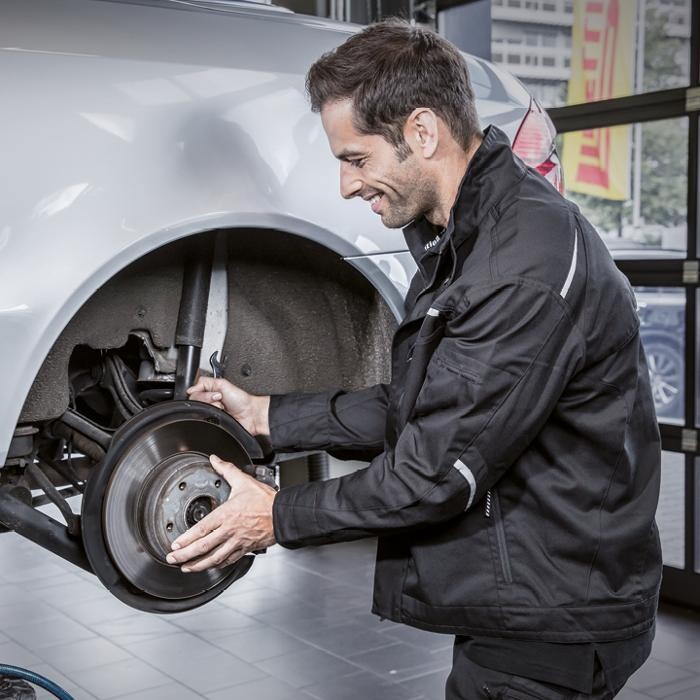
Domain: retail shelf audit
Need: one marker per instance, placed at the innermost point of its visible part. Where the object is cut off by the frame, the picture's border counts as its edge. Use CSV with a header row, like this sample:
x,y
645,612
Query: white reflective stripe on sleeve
x,y
432,312
466,472
572,267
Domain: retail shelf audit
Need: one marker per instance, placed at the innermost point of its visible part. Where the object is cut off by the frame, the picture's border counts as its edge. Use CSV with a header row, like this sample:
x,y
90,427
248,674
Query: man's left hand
x,y
241,525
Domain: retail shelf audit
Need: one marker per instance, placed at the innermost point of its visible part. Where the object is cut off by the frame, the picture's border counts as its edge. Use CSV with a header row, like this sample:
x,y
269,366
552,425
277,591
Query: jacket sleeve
x,y
508,351
348,425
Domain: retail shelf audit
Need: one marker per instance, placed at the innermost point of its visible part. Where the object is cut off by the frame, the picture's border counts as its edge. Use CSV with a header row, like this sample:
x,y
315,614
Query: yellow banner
x,y
597,161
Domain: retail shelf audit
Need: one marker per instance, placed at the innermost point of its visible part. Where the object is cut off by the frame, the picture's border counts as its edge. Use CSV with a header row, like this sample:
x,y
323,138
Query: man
x,y
514,468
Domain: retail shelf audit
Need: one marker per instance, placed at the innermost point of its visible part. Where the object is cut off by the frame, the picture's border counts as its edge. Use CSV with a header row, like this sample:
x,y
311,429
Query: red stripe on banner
x,y
590,63
594,7
593,175
590,90
608,148
591,36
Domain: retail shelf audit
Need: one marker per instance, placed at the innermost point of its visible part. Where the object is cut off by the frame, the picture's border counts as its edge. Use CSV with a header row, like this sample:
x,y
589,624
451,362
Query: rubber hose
x,y
36,679
81,442
86,427
130,402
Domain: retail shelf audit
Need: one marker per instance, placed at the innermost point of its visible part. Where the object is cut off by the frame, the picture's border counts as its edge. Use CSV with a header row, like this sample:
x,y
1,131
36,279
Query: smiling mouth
x,y
375,201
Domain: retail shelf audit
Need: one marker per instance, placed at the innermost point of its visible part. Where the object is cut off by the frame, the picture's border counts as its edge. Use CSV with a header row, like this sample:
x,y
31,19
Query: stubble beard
x,y
417,197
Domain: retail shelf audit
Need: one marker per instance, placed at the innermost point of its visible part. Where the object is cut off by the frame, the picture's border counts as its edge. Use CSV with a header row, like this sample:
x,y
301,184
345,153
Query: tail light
x,y
534,144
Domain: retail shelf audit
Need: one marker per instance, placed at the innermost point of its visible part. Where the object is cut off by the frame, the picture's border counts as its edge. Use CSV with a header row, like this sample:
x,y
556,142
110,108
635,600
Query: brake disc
x,y
154,483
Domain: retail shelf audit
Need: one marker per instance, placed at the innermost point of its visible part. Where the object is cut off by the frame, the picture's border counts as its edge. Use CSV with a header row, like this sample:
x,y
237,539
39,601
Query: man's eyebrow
x,y
348,154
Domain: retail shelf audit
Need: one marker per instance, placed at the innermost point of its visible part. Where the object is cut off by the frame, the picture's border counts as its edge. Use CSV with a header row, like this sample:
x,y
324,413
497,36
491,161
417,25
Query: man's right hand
x,y
249,410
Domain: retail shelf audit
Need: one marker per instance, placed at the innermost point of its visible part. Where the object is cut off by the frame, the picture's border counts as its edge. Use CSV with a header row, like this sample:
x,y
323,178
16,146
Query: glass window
x,y
639,212
590,31
670,514
548,61
513,59
662,326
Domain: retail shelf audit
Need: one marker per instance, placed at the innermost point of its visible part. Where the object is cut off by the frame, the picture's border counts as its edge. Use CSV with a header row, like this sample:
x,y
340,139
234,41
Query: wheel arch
x,y
286,226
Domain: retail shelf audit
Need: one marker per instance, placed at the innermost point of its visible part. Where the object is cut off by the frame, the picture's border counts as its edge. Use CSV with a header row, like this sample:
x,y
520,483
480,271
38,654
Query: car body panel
x,y
130,125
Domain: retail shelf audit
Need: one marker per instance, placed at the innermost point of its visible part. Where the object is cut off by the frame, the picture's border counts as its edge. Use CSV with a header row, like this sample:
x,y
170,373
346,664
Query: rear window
x,y
479,79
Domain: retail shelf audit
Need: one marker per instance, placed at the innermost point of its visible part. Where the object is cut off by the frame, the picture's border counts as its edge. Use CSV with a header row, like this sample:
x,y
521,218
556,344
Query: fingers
x,y
210,397
205,384
214,558
203,528
236,479
200,547
229,471
208,385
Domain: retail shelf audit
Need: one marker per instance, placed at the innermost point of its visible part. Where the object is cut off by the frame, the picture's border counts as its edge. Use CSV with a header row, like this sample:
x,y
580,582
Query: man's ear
x,y
421,131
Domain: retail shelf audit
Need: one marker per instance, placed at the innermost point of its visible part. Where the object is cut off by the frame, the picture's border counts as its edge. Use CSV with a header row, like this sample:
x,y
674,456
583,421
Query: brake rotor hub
x,y
177,494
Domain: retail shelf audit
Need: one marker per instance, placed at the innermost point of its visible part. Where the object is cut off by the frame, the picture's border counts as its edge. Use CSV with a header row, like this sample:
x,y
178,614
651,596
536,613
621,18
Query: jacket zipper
x,y
493,506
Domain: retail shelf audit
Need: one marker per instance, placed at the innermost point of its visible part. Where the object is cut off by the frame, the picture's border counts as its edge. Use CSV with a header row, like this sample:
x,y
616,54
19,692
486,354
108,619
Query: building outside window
x,y
649,205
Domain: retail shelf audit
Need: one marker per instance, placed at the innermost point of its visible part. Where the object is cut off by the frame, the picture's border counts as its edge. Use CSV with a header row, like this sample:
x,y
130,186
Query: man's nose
x,y
350,183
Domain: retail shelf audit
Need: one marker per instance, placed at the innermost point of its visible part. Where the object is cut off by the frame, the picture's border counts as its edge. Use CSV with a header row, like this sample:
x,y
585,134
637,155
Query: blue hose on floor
x,y
36,679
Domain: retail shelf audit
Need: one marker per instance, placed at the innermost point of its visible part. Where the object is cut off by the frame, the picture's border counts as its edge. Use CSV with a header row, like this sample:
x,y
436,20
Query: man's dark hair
x,y
389,69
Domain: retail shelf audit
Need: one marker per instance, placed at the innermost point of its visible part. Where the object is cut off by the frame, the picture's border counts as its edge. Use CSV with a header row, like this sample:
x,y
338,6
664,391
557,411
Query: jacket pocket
x,y
519,688
492,511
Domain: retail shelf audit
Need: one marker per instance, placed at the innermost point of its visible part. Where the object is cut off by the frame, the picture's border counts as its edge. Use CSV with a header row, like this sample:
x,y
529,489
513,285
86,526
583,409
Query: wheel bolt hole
x,y
169,527
182,486
217,483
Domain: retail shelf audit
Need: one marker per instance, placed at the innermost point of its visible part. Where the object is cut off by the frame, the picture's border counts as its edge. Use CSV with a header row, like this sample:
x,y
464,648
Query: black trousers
x,y
469,681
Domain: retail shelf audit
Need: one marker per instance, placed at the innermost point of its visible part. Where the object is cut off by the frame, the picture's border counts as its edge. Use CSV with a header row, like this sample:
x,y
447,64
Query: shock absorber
x,y
189,334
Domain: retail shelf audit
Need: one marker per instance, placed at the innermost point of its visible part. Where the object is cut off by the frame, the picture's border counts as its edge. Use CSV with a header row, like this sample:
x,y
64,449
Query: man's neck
x,y
450,178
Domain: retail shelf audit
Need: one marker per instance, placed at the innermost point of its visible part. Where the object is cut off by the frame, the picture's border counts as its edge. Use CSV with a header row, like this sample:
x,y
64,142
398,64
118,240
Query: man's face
x,y
399,191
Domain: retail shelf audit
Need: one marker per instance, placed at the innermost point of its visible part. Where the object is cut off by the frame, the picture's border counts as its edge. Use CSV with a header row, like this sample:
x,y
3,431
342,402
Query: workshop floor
x,y
296,627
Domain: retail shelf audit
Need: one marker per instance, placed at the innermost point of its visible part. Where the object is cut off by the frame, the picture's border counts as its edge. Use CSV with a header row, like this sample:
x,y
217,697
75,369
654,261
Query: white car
x,y
169,198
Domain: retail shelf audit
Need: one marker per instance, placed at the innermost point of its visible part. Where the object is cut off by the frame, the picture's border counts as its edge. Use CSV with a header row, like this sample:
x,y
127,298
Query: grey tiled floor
x,y
296,627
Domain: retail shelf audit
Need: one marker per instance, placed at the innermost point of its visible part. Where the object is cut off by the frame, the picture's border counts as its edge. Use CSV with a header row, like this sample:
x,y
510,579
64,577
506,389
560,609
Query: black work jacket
x,y
515,454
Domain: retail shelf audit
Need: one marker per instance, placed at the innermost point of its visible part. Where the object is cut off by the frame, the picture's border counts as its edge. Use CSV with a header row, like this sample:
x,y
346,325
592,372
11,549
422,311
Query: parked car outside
x,y
662,318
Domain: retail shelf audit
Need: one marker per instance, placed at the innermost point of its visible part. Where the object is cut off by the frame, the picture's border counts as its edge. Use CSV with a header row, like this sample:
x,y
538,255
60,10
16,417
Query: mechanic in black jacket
x,y
515,455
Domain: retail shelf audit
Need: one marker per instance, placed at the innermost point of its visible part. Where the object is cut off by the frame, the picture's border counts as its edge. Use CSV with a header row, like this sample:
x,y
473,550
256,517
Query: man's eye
x,y
357,163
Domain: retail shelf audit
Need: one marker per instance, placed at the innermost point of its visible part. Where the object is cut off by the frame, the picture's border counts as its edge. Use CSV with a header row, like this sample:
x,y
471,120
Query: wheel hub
x,y
178,493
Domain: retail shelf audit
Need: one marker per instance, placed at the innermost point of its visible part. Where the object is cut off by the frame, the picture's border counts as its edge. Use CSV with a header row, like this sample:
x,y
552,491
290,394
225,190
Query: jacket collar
x,y
492,172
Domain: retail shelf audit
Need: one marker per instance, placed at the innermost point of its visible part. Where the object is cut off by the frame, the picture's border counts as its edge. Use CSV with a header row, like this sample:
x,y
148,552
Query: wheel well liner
x,y
300,318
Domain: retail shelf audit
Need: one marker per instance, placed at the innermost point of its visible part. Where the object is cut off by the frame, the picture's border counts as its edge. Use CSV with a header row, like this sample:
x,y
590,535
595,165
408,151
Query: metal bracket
x,y
691,272
268,475
692,99
689,440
